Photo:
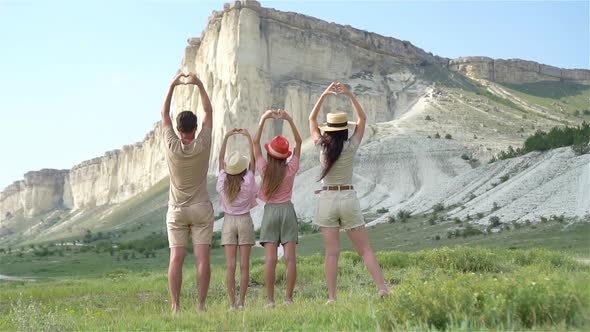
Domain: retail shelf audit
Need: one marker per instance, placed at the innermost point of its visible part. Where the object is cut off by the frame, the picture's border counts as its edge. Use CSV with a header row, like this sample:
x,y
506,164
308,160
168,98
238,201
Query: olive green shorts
x,y
279,223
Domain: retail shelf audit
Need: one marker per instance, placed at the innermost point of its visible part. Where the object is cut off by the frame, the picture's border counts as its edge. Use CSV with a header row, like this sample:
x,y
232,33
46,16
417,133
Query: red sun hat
x,y
278,148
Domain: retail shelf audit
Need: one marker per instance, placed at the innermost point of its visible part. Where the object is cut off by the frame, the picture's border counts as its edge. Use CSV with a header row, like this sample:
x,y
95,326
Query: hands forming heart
x,y
337,88
277,114
185,79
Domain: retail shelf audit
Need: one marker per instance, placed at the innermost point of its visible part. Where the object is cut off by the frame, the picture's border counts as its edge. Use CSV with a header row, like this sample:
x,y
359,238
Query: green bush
x,y
448,136
382,210
403,215
495,221
577,137
438,207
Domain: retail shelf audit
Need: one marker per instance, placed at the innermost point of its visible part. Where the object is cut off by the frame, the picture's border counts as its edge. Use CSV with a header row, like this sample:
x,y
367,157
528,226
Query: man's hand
x,y
177,79
193,79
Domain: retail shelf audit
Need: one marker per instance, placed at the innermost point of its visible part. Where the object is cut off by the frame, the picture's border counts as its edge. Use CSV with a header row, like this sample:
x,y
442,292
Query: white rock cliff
x,y
252,58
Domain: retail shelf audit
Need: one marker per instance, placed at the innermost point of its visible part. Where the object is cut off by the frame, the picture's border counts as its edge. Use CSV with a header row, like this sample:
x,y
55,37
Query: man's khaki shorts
x,y
196,220
338,209
237,230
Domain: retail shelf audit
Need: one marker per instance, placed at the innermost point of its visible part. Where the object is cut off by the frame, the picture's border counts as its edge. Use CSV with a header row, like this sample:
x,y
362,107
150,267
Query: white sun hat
x,y
235,163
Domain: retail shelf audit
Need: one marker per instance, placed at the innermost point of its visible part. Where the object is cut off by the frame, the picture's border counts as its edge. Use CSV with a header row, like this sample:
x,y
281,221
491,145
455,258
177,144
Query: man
x,y
189,210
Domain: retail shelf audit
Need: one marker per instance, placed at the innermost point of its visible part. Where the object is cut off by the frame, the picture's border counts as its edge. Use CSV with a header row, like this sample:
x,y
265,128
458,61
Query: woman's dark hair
x,y
332,143
186,121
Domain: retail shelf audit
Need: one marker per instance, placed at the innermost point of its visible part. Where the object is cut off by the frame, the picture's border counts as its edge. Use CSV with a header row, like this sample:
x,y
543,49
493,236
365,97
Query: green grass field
x,y
554,96
438,283
457,289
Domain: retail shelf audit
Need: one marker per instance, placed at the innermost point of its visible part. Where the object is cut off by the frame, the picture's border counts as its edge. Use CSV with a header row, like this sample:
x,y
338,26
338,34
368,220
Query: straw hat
x,y
235,163
278,148
336,122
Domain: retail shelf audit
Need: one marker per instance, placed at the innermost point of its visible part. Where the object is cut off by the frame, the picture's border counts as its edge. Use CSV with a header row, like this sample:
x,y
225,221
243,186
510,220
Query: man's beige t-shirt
x,y
188,165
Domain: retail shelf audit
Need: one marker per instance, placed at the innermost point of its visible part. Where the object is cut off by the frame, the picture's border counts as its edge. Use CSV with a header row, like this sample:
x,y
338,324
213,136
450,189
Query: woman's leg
x,y
332,252
291,264
244,271
270,264
359,239
230,272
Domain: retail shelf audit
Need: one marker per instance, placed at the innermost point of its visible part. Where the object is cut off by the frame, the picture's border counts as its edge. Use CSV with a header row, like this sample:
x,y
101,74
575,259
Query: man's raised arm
x,y
208,119
166,120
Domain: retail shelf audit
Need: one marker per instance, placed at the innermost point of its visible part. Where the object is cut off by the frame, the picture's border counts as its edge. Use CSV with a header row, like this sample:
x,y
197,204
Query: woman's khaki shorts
x,y
338,209
196,220
237,230
279,223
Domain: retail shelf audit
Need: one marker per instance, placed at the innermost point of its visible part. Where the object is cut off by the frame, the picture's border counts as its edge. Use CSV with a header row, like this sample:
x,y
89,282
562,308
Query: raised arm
x,y
257,149
361,121
223,146
246,133
313,117
208,119
297,148
166,120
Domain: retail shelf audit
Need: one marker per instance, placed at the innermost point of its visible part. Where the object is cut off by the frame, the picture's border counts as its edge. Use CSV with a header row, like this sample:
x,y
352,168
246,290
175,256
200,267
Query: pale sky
x,y
78,78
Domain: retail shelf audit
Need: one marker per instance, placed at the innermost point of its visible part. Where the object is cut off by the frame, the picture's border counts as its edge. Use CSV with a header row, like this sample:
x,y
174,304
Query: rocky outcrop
x,y
516,71
252,58
110,179
40,191
118,175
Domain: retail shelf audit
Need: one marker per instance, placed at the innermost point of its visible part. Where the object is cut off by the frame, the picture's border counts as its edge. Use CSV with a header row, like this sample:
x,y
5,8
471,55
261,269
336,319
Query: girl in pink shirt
x,y
279,222
237,190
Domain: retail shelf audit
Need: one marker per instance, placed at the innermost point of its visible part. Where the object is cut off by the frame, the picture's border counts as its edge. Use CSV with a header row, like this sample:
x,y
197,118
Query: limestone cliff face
x,y
38,192
118,175
110,179
252,59
516,71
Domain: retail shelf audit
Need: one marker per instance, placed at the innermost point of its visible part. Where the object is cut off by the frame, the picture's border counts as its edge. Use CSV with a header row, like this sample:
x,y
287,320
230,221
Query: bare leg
x,y
359,239
244,271
332,253
291,264
202,255
230,272
177,255
270,264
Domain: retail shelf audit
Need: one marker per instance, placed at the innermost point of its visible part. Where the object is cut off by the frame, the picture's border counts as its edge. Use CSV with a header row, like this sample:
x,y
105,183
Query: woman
x,y
237,190
338,206
279,221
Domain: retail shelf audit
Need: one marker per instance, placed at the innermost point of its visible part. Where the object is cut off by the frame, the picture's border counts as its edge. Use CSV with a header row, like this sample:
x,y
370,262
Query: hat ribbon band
x,y
337,125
